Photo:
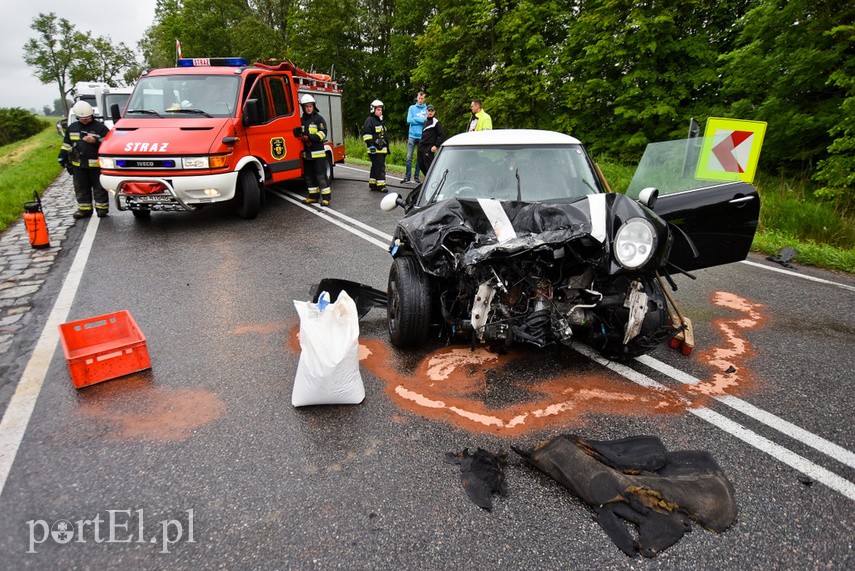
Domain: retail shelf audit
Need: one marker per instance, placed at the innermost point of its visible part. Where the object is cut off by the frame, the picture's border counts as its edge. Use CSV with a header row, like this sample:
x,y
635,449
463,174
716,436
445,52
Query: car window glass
x,y
671,167
281,97
260,93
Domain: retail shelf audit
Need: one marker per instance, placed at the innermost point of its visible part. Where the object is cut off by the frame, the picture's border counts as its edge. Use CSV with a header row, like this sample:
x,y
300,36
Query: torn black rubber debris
x,y
482,474
637,481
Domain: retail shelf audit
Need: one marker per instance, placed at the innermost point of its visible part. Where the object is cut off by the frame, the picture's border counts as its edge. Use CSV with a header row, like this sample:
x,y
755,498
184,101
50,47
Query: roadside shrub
x,y
17,125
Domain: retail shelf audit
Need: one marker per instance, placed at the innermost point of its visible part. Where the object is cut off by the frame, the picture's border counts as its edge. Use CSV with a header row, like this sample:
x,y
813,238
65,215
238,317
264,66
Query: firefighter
x,y
313,133
374,135
79,151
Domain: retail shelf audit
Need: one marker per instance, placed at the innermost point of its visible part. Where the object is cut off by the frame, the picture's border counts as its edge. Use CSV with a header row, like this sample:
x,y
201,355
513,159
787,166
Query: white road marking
x,y
321,212
798,275
23,401
783,426
721,422
326,210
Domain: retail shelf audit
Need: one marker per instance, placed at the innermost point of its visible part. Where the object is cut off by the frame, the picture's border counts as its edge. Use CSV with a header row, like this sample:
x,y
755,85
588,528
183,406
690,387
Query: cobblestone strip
x,y
23,269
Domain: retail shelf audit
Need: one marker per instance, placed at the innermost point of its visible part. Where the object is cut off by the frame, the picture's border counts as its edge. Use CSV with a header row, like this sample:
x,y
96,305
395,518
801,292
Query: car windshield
x,y
525,173
187,96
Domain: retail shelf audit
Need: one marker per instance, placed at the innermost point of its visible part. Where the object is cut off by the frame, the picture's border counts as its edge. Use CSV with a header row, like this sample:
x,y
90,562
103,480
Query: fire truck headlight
x,y
195,162
106,163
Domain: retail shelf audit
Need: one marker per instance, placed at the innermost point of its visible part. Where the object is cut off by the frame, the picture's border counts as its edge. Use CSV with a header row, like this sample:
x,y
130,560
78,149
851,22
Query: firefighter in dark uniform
x,y
79,153
374,135
313,134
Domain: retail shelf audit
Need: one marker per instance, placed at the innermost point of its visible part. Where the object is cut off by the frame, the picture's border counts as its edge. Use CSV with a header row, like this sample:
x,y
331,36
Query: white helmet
x,y
307,99
375,104
81,109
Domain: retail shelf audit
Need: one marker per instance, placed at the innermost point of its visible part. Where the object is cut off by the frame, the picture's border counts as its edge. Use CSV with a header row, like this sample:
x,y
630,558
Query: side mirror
x,y
251,112
115,113
648,196
390,201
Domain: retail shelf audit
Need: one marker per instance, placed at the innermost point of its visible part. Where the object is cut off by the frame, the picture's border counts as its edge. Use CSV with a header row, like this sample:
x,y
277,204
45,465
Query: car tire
x,y
248,195
409,303
142,214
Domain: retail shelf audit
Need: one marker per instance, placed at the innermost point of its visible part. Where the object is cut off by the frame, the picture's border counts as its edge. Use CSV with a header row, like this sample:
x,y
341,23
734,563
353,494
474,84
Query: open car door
x,y
719,218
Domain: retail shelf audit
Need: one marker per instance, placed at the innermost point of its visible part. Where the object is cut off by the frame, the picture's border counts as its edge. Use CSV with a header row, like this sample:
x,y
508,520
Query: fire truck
x,y
214,130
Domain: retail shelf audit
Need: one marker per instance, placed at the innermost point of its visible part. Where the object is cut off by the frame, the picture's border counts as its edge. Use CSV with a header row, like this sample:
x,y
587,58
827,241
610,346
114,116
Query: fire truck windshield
x,y
185,96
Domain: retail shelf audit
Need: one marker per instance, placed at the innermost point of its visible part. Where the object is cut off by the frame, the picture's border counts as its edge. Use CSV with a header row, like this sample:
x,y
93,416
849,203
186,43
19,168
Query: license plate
x,y
152,199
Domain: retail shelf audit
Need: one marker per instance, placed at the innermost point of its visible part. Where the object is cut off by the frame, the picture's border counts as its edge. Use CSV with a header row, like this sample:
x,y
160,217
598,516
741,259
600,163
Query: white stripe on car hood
x,y
499,219
597,204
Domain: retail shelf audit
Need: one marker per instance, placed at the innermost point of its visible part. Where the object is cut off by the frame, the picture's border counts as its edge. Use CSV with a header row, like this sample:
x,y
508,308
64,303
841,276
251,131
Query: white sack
x,y
328,371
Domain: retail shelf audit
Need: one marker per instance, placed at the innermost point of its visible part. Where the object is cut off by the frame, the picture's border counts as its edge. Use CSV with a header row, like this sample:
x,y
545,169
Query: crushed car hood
x,y
489,228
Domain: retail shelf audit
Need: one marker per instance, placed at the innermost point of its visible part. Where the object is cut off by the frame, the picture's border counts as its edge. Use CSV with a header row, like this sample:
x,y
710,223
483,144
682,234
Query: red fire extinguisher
x,y
34,220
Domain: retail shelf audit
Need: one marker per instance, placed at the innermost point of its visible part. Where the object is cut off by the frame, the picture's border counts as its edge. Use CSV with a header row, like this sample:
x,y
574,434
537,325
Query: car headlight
x,y
635,243
106,163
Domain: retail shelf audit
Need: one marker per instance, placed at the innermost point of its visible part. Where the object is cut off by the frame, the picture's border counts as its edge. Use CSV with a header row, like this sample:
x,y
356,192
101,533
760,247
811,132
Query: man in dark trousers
x,y
433,135
79,151
377,141
313,133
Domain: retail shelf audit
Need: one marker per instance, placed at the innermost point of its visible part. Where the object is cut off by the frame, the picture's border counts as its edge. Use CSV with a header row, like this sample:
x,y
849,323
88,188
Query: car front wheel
x,y
409,303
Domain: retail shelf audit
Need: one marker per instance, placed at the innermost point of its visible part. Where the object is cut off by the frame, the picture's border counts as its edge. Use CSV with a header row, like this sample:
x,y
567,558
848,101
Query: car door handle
x,y
740,199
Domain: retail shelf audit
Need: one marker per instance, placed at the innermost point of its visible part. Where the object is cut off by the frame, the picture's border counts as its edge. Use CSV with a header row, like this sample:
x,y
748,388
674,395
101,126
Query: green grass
x,y
25,167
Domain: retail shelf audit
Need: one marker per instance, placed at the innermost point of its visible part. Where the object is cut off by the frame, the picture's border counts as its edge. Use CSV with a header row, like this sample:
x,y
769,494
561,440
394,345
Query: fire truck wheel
x,y
248,195
330,167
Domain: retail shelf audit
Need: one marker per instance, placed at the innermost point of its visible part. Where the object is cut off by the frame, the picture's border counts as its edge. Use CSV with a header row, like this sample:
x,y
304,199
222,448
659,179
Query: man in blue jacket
x,y
416,117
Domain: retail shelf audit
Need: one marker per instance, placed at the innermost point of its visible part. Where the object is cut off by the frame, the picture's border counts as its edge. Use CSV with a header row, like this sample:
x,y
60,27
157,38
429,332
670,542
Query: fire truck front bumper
x,y
177,193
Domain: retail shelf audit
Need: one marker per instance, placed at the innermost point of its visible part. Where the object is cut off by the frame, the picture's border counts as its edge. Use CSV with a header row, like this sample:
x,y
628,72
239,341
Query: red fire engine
x,y
214,130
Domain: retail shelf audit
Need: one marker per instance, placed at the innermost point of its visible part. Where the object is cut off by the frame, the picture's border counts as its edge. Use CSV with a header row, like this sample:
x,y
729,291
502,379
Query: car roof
x,y
528,137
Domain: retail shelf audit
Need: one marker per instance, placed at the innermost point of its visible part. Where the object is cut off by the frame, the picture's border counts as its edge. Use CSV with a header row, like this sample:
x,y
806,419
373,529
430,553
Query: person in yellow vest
x,y
375,137
79,151
480,121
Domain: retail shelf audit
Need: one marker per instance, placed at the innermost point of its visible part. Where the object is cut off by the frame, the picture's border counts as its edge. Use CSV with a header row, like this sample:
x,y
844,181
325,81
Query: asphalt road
x,y
203,463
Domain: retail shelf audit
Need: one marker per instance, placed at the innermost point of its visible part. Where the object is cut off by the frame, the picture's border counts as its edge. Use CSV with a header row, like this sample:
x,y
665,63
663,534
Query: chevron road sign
x,y
731,149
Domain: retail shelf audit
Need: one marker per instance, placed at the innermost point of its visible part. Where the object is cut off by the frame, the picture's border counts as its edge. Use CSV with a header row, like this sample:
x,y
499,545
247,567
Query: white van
x,y
101,97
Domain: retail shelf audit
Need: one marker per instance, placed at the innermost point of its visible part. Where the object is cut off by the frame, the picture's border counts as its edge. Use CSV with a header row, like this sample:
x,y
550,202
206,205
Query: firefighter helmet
x,y
307,99
81,110
375,104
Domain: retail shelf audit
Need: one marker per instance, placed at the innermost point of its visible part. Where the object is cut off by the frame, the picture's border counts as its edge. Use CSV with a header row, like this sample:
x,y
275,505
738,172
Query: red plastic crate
x,y
103,347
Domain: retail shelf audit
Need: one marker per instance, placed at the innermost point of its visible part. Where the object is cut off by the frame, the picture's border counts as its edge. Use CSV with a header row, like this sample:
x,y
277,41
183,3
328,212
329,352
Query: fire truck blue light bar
x,y
213,61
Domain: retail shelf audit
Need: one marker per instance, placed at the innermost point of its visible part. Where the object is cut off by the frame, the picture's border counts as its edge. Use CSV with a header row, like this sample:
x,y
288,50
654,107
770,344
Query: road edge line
x,y
18,412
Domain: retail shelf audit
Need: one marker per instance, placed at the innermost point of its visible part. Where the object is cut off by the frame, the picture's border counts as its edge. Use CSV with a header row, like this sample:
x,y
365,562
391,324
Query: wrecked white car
x,y
513,237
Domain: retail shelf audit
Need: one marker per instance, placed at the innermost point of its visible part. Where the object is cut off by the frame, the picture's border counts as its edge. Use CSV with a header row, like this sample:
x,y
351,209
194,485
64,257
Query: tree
x,y
790,70
457,58
53,53
101,61
633,72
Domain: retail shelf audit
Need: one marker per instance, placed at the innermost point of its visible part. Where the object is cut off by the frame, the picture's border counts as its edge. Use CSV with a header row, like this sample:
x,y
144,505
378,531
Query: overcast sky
x,y
122,20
